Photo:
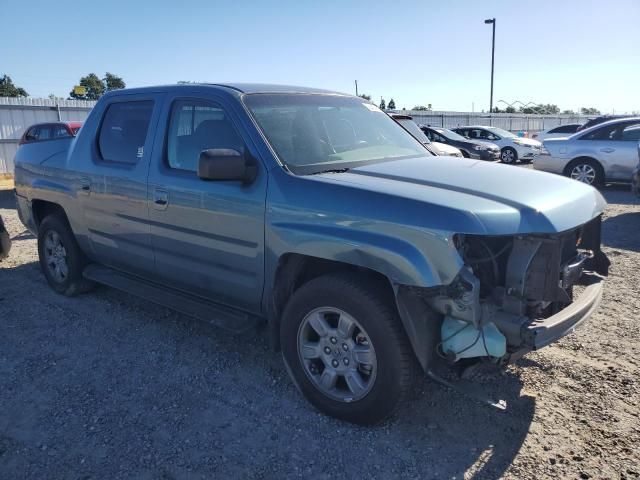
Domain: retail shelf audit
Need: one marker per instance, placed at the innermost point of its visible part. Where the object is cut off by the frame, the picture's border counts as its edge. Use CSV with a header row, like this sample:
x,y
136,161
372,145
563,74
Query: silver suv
x,y
605,152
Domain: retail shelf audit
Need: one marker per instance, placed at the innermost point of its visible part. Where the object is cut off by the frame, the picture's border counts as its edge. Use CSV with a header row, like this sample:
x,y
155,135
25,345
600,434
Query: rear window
x,y
124,131
565,129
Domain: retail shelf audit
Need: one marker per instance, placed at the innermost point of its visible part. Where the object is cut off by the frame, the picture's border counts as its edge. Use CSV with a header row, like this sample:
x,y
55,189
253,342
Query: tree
x,y
383,105
420,108
497,110
8,89
392,105
589,111
94,88
113,82
568,112
365,96
549,108
510,109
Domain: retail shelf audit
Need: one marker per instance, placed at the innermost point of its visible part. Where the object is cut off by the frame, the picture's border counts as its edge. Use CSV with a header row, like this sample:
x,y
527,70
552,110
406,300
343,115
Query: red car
x,y
50,131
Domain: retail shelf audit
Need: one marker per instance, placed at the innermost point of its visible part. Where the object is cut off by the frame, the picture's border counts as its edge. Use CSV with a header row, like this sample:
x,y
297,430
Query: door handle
x,y
608,150
160,199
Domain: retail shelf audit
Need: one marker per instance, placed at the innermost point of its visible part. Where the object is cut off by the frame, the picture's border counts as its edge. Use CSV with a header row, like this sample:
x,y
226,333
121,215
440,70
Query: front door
x,y
208,236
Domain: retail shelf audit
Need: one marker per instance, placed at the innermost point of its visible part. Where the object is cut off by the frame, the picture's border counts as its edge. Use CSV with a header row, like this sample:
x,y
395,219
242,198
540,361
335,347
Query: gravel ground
x,y
108,386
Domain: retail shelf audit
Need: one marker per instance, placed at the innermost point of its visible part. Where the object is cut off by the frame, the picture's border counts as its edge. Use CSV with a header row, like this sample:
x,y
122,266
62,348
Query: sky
x,y
573,53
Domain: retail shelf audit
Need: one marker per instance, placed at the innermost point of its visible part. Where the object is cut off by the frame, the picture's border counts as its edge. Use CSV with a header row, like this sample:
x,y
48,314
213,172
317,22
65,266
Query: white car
x,y
562,131
447,150
512,147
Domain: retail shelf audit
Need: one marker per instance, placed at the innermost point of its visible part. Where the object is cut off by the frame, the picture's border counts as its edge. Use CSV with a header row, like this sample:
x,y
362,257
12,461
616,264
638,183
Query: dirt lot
x,y
109,386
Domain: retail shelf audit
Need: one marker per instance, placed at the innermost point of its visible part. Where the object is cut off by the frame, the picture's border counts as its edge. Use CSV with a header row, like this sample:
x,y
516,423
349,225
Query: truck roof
x,y
231,87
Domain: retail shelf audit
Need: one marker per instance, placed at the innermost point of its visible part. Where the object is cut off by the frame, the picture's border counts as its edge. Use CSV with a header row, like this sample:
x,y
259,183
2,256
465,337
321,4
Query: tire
x,y
585,170
382,366
61,259
508,155
465,154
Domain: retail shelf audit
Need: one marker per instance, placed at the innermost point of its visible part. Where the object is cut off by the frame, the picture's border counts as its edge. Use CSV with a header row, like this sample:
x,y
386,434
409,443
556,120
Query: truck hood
x,y
492,198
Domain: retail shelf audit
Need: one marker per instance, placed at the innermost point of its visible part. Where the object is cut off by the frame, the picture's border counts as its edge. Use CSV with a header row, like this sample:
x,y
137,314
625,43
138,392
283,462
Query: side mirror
x,y
226,164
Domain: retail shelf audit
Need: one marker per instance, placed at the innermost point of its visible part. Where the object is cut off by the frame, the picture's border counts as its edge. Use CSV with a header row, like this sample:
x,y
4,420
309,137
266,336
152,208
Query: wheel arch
x,y
419,321
43,208
579,158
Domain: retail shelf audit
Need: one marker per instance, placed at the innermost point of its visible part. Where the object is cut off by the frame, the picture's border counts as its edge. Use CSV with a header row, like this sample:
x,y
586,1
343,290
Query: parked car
x,y
605,152
50,131
557,132
512,147
437,148
635,177
470,148
318,214
5,241
592,122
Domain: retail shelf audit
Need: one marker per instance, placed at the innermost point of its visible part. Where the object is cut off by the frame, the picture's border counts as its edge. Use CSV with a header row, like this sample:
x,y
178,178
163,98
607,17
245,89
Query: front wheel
x,y
345,348
509,155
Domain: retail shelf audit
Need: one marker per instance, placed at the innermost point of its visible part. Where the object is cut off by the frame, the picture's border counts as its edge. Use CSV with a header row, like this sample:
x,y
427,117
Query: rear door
x,y
616,147
113,183
208,236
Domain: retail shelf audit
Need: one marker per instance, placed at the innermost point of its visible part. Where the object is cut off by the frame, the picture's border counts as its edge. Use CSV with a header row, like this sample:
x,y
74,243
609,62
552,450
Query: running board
x,y
224,317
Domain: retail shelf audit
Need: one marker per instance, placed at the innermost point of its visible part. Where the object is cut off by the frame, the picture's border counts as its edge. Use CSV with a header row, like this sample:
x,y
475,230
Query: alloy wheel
x,y
55,256
508,156
584,173
337,354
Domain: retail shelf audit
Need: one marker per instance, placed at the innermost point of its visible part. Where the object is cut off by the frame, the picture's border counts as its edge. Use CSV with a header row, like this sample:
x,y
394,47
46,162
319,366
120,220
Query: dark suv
x,y
598,120
469,148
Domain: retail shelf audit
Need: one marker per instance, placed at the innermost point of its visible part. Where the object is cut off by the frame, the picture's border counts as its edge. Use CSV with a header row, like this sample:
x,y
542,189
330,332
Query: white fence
x,y
17,114
514,122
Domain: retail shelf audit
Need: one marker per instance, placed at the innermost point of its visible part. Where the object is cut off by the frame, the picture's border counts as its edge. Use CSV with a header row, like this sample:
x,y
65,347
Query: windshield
x,y
501,133
451,135
312,133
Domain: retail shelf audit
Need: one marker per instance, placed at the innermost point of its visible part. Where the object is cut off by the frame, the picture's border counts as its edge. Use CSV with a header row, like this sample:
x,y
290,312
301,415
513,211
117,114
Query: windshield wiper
x,y
335,170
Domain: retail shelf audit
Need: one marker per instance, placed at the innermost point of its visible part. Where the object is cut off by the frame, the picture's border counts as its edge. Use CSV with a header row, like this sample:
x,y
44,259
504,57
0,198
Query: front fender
x,y
402,262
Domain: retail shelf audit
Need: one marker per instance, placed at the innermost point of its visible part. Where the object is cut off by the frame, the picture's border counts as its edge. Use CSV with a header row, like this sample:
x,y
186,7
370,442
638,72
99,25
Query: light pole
x,y
492,21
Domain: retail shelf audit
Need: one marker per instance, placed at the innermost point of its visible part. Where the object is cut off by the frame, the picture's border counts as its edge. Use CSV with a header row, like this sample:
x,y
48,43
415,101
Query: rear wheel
x,y
509,155
585,170
345,348
61,259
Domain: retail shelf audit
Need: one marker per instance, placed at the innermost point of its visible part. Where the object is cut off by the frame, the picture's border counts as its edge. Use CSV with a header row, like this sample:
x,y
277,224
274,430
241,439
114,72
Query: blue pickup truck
x,y
313,211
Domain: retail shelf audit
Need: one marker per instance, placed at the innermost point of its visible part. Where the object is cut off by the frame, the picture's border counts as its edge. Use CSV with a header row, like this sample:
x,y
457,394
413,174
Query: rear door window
x,y
564,129
60,132
124,131
631,133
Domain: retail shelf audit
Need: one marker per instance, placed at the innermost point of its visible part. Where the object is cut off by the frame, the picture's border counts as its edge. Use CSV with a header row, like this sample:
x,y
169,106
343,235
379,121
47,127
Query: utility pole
x,y
492,21
356,87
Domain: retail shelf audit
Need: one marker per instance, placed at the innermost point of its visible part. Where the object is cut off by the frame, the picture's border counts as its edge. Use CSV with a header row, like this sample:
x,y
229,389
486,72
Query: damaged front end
x,y
519,293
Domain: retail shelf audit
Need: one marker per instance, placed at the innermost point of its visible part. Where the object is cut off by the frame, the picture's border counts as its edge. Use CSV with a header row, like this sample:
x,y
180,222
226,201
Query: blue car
x,y
368,258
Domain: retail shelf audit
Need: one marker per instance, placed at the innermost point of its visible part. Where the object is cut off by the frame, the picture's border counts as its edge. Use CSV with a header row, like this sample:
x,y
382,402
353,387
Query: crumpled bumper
x,y
541,333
